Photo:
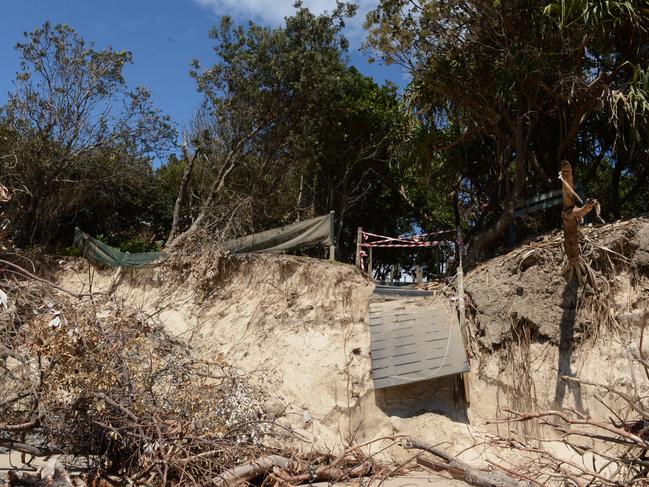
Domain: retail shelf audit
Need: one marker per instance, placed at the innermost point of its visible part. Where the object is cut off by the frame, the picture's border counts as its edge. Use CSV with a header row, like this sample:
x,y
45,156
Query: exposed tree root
x,y
571,217
470,474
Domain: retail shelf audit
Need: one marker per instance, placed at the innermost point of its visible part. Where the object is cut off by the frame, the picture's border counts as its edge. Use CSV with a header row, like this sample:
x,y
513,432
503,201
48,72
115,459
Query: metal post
x,y
359,237
369,263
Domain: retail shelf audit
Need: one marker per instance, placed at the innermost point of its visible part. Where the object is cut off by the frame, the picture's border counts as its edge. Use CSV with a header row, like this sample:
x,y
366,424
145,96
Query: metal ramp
x,y
414,340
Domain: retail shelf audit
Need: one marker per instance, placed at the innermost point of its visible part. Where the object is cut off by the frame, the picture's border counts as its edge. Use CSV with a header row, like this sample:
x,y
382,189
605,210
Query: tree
x,y
265,100
288,130
352,168
506,90
77,131
182,190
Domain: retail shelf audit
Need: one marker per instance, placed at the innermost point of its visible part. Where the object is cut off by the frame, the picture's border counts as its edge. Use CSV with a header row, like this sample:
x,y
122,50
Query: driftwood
x,y
37,451
462,470
250,470
52,474
286,470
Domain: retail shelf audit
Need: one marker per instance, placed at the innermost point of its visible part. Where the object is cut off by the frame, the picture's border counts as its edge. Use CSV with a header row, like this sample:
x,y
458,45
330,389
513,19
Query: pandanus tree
x,y
506,90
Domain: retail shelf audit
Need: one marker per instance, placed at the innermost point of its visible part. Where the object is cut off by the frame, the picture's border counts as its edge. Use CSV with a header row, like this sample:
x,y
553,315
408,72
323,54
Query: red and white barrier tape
x,y
412,241
403,237
413,244
385,239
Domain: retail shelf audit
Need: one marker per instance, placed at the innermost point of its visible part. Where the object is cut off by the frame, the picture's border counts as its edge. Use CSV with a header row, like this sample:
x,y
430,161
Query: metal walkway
x,y
414,339
396,292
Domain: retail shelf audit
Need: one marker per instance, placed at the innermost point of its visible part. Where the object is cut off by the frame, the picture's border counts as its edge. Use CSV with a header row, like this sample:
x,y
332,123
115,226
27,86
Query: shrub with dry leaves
x,y
92,378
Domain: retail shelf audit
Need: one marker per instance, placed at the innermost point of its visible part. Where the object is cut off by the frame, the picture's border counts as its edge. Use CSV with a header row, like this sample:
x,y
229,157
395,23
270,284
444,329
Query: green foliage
x,y
77,143
598,14
69,252
500,93
295,129
263,99
503,95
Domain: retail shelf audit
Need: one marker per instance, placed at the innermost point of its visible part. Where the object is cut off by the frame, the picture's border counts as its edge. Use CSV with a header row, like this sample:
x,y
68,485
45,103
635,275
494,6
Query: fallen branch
x,y
470,474
36,451
124,409
26,273
29,425
251,470
52,474
325,473
284,469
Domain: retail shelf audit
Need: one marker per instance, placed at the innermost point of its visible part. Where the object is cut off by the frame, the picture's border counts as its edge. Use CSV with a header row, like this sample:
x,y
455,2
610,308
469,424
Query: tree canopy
x,y
78,143
506,90
289,130
499,94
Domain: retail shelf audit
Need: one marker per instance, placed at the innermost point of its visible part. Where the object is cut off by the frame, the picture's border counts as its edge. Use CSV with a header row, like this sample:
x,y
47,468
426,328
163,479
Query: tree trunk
x,y
570,230
28,226
458,224
480,241
339,223
215,190
182,192
470,474
571,216
231,160
614,201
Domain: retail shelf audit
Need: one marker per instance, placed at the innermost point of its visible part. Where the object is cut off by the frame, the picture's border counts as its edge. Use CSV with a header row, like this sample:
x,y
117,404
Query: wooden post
x,y
369,262
419,275
438,269
332,236
359,238
460,285
461,311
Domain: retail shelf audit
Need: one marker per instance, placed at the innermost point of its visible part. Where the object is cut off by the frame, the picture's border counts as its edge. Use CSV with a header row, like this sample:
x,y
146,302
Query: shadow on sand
x,y
440,396
566,341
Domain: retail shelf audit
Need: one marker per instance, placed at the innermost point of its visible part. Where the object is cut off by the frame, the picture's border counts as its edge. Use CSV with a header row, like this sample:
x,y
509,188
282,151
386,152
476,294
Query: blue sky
x,y
163,35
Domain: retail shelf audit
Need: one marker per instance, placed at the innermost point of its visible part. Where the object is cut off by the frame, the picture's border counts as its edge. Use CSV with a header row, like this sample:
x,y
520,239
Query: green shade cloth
x,y
314,232
100,253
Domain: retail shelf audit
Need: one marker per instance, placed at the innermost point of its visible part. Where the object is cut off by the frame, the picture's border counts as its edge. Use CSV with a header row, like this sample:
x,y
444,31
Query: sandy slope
x,y
299,325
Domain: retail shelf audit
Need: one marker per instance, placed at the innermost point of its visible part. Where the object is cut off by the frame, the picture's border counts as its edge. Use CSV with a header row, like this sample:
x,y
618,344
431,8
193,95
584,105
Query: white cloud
x,y
272,12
